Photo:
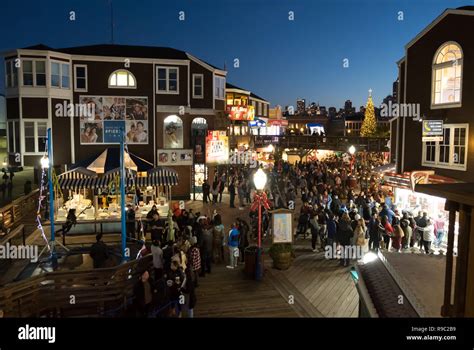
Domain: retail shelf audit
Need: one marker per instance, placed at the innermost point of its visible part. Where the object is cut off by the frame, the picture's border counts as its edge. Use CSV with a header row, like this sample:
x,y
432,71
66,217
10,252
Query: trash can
x,y
250,257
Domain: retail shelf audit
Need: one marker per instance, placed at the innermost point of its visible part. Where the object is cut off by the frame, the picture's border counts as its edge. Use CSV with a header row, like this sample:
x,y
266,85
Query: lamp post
x,y
259,179
125,255
47,163
352,151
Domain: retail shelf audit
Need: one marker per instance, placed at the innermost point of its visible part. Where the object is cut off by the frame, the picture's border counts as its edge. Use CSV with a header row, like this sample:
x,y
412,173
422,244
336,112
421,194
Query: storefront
x,y
403,187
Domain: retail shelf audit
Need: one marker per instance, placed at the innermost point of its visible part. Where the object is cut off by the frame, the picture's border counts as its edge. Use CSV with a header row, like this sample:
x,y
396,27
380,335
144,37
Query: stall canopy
x,y
102,170
109,160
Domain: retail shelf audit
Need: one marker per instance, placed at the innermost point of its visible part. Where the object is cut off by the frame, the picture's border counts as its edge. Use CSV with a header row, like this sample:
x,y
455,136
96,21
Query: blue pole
x,y
51,193
125,256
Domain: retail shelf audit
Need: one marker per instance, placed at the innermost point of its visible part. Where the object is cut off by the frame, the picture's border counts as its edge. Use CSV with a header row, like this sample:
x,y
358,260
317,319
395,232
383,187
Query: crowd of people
x,y
184,249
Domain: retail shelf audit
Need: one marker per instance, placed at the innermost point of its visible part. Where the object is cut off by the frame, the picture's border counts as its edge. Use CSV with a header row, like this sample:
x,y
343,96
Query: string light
x,y
41,196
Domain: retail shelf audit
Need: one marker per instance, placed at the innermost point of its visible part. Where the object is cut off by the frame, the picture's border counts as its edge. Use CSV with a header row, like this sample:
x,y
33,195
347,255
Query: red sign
x,y
241,112
278,122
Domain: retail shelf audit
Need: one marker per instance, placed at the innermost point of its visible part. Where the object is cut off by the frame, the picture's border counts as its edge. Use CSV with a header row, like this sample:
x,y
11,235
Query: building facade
x,y
156,95
437,73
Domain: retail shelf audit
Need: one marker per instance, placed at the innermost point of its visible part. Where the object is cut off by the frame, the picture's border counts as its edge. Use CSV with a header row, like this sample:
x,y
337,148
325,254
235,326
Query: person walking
x,y
233,245
428,236
439,230
99,252
314,226
361,242
144,291
215,191
158,263
205,191
130,224
388,231
206,247
231,189
195,260
218,236
343,236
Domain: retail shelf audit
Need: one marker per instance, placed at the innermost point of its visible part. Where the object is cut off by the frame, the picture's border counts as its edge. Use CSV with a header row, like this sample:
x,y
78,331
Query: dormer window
x,y
122,79
447,76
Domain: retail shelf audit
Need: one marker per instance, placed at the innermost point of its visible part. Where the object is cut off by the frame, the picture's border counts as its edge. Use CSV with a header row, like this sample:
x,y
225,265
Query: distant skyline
x,y
280,60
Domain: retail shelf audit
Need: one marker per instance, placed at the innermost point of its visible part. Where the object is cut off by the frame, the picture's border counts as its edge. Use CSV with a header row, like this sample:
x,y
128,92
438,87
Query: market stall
x,y
95,195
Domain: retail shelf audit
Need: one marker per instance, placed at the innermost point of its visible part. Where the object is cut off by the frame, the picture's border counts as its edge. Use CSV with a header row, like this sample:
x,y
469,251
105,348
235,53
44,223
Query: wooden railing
x,y
98,292
335,143
19,210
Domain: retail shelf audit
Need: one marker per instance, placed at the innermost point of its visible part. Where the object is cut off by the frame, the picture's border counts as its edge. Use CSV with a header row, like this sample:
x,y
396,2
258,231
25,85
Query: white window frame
x,y
202,86
168,91
23,140
122,87
9,78
217,95
33,68
15,124
259,113
451,165
60,75
438,66
86,78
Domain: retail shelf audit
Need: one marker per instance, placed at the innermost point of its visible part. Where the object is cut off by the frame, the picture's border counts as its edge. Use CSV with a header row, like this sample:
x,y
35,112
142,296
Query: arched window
x,y
447,75
173,132
122,79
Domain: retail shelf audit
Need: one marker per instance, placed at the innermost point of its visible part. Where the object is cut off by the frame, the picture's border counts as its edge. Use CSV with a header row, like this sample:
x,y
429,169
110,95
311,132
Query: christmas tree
x,y
369,126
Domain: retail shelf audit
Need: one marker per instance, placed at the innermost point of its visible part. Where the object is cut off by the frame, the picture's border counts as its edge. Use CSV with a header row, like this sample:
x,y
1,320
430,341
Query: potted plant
x,y
282,255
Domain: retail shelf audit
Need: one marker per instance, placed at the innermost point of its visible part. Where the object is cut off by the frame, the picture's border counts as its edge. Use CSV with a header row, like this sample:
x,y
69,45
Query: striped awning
x,y
156,177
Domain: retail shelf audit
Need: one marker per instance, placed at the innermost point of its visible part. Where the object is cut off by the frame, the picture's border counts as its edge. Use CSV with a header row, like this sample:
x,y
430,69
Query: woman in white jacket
x,y
428,236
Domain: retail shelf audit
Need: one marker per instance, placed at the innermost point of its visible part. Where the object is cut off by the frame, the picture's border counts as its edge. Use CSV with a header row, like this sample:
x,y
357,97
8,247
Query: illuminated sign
x,y
257,123
217,147
432,130
241,112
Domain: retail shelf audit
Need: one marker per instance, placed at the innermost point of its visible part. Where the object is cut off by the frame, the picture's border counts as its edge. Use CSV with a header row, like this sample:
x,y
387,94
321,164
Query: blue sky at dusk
x,y
280,59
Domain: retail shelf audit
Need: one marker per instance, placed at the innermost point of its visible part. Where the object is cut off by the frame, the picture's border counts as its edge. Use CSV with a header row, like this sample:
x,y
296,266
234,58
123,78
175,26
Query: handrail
x,y
60,292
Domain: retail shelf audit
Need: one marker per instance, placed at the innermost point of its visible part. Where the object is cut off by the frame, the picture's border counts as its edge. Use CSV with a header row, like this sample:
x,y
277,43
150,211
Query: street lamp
x,y
352,151
45,162
260,180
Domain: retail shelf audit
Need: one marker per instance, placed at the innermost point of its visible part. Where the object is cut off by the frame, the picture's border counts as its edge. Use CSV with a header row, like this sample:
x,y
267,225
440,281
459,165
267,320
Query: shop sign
x,y
397,181
167,157
432,130
241,112
217,147
420,177
257,123
279,122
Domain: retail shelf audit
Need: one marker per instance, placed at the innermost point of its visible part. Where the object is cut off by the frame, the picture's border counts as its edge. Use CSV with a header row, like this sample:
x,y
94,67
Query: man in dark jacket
x,y
375,233
130,222
232,193
99,252
205,191
343,235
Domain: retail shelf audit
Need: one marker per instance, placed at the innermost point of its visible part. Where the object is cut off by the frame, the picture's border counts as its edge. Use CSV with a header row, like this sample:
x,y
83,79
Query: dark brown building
x,y
156,94
437,73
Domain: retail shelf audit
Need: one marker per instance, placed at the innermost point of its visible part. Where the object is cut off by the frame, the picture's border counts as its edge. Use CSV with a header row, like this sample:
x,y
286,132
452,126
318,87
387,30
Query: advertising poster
x,y
113,114
173,132
92,132
113,131
168,157
113,108
282,226
137,108
217,147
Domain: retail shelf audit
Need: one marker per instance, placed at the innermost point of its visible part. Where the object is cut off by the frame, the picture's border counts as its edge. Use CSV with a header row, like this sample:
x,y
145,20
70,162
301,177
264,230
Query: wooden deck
x,y
325,284
226,293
